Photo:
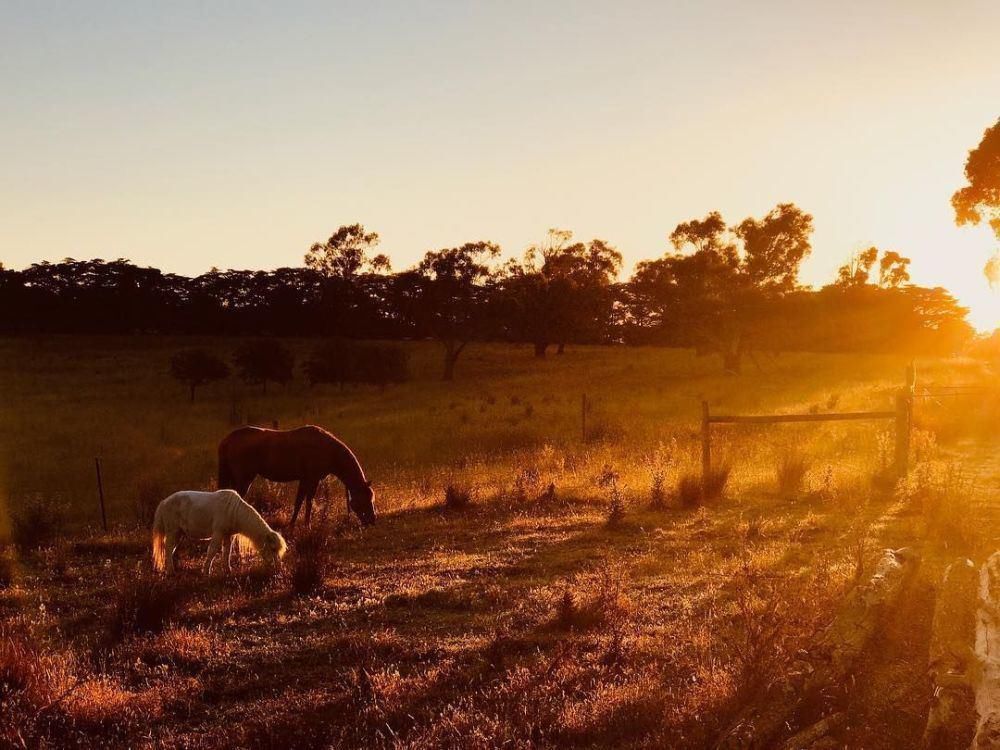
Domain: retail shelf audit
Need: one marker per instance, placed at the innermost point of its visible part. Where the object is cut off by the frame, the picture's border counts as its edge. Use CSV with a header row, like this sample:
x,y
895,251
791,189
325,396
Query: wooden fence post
x,y
904,422
100,494
706,449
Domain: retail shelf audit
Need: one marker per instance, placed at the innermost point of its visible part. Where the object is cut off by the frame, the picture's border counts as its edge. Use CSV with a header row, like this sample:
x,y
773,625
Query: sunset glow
x,y
186,138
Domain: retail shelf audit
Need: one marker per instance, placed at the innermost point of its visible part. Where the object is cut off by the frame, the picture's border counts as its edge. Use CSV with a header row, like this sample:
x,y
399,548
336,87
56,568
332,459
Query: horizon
x,y
187,138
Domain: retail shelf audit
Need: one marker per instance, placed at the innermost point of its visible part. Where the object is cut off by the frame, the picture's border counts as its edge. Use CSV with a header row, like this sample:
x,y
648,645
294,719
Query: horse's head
x,y
362,500
273,548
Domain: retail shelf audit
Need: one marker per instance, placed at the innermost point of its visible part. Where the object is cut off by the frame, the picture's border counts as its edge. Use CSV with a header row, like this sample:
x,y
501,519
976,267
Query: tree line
x,y
730,290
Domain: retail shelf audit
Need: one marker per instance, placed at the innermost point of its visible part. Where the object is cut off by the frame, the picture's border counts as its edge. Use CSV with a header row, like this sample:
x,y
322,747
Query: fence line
x,y
902,415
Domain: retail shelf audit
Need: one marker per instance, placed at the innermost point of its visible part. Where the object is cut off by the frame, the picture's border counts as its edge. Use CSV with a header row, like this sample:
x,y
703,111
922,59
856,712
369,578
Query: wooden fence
x,y
902,415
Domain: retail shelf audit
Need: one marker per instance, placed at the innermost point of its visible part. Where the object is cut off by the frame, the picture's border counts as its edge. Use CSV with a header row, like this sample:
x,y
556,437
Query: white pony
x,y
220,516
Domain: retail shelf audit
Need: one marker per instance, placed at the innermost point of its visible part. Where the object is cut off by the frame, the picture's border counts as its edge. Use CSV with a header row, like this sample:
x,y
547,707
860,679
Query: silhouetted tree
x,y
447,297
893,269
196,367
716,289
347,264
980,198
264,360
561,291
858,268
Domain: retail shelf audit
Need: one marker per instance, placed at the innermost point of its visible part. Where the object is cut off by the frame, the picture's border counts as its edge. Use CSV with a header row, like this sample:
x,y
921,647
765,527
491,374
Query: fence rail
x,y
902,415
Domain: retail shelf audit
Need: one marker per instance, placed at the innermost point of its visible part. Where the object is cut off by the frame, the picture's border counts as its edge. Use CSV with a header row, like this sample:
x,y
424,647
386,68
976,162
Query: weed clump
x,y
693,490
791,473
457,498
310,560
616,497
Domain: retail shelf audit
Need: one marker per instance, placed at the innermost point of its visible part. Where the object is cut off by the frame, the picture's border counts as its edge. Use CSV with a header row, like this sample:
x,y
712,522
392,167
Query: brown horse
x,y
306,455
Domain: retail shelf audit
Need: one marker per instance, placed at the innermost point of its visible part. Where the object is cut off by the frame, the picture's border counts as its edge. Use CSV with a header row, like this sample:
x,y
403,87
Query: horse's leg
x,y
311,489
242,486
300,494
213,552
170,545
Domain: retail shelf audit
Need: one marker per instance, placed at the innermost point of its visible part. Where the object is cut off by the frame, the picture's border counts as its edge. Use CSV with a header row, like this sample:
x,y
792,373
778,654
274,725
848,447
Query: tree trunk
x,y
451,354
540,349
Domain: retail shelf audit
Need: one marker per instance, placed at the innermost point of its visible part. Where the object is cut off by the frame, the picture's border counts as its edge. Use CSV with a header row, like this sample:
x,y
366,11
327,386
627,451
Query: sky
x,y
187,135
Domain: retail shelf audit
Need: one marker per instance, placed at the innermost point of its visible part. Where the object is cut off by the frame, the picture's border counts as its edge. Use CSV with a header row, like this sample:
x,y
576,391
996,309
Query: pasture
x,y
568,591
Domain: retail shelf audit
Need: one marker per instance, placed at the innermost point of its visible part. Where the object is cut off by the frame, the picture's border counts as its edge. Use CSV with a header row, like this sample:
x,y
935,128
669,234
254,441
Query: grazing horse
x,y
306,455
221,516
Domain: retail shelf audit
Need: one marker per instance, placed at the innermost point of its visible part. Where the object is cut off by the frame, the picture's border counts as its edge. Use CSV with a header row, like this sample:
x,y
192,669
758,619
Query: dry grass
x,y
524,623
142,604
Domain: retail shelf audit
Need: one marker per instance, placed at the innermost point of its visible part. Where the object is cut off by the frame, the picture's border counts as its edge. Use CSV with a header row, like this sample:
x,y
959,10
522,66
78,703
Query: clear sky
x,y
188,135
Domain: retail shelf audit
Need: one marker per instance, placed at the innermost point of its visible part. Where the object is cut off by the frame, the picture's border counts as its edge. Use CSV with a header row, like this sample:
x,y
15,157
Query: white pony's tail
x,y
159,542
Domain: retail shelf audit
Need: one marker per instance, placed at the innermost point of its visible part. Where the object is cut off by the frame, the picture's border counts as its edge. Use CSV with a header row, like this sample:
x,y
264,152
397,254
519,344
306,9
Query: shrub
x,y
195,367
457,498
616,498
8,567
310,559
142,604
264,360
791,473
657,491
37,522
343,361
527,482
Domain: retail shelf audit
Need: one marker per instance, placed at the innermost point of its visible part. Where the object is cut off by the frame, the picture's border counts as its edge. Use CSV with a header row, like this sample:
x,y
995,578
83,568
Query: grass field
x,y
561,606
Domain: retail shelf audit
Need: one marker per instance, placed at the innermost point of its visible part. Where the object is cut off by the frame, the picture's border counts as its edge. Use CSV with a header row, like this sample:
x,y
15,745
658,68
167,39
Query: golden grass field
x,y
557,608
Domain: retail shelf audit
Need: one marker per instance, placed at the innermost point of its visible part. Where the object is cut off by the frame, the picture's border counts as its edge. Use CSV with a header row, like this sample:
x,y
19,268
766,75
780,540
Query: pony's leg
x,y
213,551
170,545
227,549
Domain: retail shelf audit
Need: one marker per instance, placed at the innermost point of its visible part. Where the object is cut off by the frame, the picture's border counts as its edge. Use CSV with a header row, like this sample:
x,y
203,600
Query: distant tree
x,y
858,268
264,360
196,367
447,297
893,269
719,289
349,268
347,253
561,291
